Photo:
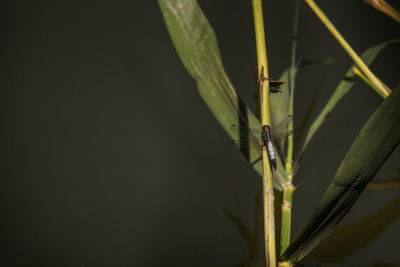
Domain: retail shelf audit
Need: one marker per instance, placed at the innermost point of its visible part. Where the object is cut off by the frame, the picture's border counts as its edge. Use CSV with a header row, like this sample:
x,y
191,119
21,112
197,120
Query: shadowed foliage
x,y
376,141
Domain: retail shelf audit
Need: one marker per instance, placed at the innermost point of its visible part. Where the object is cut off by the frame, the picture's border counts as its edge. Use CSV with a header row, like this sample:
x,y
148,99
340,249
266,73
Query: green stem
x,y
288,190
286,216
289,157
363,67
357,72
285,264
268,192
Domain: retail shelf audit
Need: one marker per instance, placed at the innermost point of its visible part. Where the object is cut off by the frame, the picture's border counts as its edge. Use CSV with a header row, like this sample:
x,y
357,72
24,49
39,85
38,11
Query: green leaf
x,y
376,141
344,86
279,103
349,238
196,44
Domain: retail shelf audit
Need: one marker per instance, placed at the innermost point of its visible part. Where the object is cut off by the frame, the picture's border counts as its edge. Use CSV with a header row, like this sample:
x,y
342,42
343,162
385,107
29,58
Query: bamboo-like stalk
x,y
288,189
357,72
285,264
286,215
349,50
268,191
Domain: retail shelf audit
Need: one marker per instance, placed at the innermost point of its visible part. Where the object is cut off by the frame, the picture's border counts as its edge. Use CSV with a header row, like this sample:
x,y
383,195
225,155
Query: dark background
x,y
109,157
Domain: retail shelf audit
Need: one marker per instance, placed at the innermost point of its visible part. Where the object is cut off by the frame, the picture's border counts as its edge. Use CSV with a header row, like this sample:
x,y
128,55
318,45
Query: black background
x,y
109,157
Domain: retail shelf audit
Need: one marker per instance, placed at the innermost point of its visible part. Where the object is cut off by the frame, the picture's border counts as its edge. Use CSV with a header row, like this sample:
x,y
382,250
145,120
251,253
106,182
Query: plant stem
x,y
268,192
288,189
363,67
357,72
285,264
286,216
289,157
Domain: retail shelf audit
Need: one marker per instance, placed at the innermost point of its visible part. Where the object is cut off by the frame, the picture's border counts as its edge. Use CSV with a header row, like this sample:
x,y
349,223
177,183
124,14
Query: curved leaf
x,y
344,86
376,141
279,103
196,44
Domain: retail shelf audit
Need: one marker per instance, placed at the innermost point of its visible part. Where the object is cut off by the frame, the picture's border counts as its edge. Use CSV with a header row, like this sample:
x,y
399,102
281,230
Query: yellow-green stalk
x,y
268,191
289,188
362,66
286,216
285,264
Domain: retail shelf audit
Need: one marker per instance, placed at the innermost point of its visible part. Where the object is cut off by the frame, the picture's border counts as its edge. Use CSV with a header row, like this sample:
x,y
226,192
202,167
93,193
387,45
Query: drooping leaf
x,y
349,238
281,120
196,44
375,142
344,86
279,103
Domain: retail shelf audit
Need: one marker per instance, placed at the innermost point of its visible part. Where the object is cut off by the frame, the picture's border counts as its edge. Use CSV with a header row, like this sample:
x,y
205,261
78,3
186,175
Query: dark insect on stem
x,y
267,142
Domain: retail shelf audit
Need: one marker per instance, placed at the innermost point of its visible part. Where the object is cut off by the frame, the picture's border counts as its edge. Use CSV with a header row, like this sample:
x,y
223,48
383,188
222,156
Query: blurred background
x,y
109,157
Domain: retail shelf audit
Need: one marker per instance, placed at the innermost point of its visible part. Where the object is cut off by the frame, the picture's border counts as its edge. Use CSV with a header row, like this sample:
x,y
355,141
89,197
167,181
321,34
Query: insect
x,y
255,138
266,137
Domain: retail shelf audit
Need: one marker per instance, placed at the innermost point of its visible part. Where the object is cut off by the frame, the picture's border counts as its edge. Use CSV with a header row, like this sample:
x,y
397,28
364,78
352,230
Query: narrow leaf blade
x,y
196,44
376,141
280,104
343,88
